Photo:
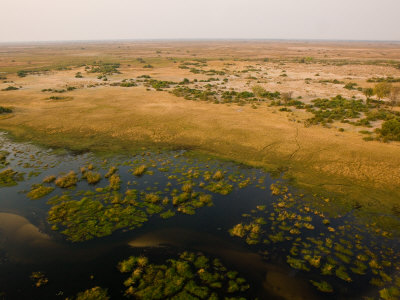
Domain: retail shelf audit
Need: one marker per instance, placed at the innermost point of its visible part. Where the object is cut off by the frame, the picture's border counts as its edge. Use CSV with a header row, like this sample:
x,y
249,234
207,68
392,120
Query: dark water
x,y
27,243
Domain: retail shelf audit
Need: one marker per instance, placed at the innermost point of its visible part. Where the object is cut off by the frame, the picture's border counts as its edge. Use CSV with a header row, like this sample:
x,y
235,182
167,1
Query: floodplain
x,y
200,170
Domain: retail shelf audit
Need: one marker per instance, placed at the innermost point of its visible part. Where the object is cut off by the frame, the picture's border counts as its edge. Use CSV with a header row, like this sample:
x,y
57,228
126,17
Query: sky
x,y
61,20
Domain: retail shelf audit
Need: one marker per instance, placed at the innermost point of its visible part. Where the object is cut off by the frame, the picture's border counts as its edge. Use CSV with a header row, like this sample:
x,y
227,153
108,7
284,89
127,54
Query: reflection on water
x,y
23,241
161,204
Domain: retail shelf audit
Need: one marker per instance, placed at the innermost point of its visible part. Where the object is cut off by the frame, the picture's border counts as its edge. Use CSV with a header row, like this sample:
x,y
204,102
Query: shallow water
x,y
28,243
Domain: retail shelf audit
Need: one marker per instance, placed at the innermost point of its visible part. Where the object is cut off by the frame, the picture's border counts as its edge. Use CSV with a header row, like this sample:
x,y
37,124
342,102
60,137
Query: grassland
x,y
101,114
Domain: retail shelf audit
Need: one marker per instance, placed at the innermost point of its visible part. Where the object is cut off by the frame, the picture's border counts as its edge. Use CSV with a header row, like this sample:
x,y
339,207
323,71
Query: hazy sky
x,y
44,20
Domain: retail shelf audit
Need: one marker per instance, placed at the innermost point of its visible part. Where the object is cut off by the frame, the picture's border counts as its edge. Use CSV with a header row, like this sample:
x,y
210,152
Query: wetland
x,y
168,224
190,170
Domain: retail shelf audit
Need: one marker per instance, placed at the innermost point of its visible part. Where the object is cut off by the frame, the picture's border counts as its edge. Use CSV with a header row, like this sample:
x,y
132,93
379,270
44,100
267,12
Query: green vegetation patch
x,y
38,191
68,180
9,177
3,158
191,276
95,293
88,218
390,130
104,68
91,177
5,110
336,108
10,88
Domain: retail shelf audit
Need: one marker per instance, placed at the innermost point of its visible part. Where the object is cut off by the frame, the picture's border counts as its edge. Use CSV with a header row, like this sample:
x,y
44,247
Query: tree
x,y
286,97
368,93
258,91
382,90
394,95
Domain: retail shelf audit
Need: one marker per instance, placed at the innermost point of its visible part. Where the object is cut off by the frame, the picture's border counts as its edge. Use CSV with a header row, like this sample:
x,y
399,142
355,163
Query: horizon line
x,y
198,40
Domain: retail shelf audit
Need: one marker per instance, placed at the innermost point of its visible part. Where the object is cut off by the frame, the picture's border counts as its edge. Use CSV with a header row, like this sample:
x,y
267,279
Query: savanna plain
x,y
200,170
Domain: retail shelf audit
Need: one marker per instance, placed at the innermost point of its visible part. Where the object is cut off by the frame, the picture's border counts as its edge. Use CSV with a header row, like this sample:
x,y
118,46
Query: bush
x,y
383,79
59,98
22,73
336,108
127,84
10,88
390,130
104,68
5,110
350,86
160,84
185,81
382,89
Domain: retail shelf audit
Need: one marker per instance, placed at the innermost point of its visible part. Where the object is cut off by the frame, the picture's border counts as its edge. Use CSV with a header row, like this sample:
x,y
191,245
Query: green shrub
x,y
390,130
127,84
22,73
383,79
5,110
350,86
59,98
382,89
10,88
104,68
160,84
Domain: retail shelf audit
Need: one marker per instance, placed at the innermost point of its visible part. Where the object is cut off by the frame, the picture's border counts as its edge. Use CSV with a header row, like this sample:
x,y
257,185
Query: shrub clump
x,y
5,110
390,130
10,88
